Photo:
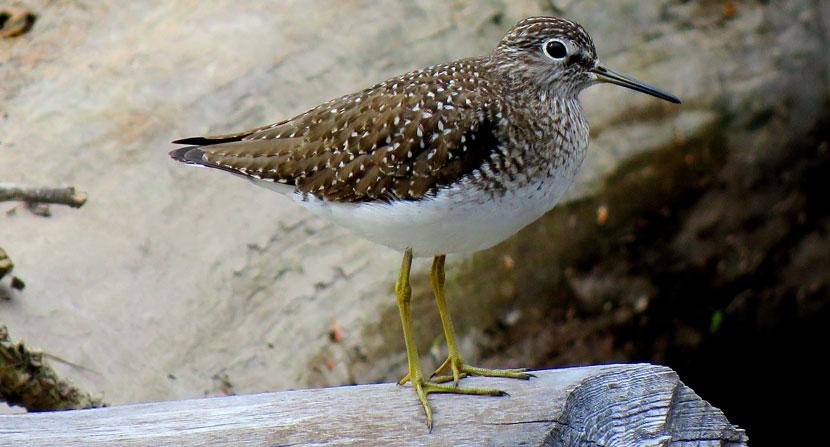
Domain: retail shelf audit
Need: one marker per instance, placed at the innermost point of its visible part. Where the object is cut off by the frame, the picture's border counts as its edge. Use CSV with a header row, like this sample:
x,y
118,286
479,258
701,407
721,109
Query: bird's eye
x,y
555,49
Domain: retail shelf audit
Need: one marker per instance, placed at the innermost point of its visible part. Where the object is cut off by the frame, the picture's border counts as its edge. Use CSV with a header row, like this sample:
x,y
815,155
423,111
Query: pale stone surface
x,y
169,279
183,272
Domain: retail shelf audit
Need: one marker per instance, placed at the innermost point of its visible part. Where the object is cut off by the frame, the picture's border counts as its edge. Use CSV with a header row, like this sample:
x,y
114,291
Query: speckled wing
x,y
403,139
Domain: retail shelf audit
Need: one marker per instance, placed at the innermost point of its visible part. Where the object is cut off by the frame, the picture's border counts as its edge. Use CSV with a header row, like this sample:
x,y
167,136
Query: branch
x,y
30,194
27,380
15,21
6,264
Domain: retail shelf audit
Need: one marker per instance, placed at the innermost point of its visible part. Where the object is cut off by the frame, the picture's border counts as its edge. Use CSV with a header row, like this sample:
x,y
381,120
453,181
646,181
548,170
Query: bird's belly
x,y
457,220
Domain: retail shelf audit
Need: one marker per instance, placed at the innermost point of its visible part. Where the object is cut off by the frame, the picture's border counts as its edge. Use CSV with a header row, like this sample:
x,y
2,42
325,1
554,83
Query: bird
x,y
452,158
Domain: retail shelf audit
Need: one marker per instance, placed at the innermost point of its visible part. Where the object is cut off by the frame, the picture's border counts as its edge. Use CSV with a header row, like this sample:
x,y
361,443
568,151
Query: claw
x,y
426,387
404,379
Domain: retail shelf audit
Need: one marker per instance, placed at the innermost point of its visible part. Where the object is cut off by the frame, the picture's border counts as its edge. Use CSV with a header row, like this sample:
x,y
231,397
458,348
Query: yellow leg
x,y
453,361
403,293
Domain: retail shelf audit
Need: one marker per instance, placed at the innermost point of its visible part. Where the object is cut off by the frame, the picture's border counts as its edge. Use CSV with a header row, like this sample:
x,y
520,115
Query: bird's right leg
x,y
454,364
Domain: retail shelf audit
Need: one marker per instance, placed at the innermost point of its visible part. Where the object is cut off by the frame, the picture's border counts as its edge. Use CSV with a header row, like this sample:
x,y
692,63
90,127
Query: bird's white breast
x,y
456,220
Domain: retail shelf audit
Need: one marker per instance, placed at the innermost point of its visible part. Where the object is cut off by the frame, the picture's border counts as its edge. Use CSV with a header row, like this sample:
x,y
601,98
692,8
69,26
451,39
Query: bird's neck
x,y
551,116
553,131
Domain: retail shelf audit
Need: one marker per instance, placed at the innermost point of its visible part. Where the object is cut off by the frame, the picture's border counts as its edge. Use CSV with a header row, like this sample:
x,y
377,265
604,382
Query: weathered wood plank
x,y
611,405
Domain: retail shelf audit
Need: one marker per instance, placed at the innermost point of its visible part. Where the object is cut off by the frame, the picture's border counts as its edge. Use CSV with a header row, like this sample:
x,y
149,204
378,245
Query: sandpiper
x,y
451,158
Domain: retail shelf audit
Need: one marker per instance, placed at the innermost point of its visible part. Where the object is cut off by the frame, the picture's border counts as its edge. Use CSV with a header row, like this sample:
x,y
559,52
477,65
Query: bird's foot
x,y
425,387
460,370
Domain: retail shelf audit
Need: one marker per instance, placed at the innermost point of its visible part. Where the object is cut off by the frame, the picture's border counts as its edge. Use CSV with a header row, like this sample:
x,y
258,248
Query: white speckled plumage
x,y
461,217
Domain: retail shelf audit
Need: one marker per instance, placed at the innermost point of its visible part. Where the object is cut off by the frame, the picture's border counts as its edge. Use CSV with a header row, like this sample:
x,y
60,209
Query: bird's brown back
x,y
402,139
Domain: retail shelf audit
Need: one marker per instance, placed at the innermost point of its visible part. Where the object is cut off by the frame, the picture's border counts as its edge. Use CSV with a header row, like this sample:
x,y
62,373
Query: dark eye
x,y
556,49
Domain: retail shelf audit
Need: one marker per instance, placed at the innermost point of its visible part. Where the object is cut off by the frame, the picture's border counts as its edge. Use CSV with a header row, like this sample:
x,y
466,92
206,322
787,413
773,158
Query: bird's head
x,y
558,56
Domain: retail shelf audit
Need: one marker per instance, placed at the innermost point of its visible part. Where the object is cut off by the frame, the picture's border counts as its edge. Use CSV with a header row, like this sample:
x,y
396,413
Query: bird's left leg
x,y
453,362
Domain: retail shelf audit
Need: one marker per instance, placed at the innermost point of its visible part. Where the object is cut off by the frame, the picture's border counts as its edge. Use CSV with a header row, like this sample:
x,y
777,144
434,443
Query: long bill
x,y
605,74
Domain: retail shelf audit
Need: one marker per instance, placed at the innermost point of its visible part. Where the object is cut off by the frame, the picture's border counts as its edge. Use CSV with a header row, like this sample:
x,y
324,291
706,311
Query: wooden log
x,y
610,405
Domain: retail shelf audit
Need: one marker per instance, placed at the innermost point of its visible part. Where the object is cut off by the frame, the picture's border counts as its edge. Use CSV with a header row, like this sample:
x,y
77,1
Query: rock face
x,y
175,282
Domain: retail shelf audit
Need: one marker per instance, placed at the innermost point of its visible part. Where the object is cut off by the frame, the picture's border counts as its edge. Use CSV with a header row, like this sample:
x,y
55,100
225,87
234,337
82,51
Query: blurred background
x,y
696,236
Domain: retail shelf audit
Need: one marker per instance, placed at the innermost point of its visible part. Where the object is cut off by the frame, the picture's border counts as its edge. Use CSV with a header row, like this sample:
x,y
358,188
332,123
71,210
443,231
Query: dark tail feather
x,y
218,139
207,141
190,155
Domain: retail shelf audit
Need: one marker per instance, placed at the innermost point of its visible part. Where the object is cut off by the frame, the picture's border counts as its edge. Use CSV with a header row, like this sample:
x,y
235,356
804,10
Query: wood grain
x,y
611,405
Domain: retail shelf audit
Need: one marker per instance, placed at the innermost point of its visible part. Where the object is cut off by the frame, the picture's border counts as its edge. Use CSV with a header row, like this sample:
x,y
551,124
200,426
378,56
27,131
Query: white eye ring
x,y
555,49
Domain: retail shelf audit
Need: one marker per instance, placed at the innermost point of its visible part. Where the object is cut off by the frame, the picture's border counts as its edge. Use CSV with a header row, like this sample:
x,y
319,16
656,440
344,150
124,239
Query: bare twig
x,y
15,21
30,194
28,381
67,362
6,264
